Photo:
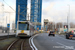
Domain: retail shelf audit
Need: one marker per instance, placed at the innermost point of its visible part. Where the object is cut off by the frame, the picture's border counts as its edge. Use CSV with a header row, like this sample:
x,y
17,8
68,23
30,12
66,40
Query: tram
x,y
24,29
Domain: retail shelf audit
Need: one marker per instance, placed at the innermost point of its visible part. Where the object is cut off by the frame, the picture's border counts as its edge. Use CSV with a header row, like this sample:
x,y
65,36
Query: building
x,y
13,26
21,10
46,24
36,11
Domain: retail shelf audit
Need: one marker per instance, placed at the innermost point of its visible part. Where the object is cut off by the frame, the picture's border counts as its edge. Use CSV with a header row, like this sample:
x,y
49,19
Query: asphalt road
x,y
59,42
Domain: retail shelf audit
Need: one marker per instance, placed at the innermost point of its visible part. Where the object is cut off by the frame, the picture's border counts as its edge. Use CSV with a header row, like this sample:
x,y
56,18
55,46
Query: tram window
x,y
23,26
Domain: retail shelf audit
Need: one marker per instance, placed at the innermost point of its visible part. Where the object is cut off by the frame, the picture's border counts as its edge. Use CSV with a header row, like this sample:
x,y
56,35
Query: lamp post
x,y
53,23
28,17
18,11
68,19
3,11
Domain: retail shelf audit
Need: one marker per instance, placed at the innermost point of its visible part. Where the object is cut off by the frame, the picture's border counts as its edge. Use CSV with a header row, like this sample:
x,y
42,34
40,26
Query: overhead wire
x,y
9,6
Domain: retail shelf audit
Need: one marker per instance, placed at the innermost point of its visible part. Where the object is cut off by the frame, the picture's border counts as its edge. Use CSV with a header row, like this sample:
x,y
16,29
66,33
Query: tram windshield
x,y
23,26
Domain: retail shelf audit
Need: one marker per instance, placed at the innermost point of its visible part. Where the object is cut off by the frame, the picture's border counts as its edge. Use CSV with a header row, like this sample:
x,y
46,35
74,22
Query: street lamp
x,y
53,23
3,11
28,16
68,19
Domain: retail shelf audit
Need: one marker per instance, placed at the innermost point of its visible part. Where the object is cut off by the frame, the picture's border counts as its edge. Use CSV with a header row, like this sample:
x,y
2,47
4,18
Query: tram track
x,y
19,44
15,45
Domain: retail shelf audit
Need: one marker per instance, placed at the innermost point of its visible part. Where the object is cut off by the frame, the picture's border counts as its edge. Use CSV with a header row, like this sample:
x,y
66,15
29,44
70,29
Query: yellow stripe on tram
x,y
22,31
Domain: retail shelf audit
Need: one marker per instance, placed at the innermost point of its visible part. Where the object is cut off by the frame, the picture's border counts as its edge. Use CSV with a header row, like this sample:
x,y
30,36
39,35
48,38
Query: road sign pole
x,y
8,26
8,32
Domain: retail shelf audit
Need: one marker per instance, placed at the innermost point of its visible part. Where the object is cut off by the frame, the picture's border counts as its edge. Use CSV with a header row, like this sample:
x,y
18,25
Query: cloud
x,y
59,11
56,10
50,6
56,0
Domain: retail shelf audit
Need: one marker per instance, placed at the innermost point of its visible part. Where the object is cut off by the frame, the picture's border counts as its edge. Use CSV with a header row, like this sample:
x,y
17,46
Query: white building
x,y
13,26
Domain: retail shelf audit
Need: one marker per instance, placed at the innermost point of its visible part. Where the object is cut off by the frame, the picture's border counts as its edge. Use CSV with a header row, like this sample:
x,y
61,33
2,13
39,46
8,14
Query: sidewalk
x,y
3,34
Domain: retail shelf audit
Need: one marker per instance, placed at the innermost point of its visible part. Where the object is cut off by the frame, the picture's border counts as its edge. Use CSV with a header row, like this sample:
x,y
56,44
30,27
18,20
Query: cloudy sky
x,y
54,10
57,10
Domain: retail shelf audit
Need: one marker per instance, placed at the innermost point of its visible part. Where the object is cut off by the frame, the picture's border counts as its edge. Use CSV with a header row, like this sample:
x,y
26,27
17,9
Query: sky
x,y
53,10
57,10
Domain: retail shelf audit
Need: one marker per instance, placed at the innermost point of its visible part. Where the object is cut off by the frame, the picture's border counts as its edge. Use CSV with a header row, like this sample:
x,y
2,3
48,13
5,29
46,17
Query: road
x,y
45,42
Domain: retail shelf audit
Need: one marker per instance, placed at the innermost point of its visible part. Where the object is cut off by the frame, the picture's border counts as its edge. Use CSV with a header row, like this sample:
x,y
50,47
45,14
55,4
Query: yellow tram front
x,y
23,29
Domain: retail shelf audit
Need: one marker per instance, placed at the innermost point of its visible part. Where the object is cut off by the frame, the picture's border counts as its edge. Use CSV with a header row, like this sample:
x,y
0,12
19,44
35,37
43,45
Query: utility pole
x,y
3,12
36,25
59,28
28,17
53,23
68,19
9,26
18,11
6,20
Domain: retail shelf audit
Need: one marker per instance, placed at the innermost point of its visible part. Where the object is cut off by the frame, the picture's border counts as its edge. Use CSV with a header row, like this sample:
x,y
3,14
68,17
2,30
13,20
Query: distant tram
x,y
24,29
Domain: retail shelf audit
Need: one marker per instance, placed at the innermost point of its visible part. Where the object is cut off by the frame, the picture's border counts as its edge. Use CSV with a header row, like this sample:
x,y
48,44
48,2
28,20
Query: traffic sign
x,y
65,30
8,25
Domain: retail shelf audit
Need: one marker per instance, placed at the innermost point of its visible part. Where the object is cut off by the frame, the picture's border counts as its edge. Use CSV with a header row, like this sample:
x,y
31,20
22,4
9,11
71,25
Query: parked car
x,y
70,35
51,33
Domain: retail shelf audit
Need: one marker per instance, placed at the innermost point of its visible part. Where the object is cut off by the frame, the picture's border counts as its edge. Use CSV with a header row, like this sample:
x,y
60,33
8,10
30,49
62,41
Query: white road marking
x,y
33,46
65,39
61,44
74,49
66,47
31,42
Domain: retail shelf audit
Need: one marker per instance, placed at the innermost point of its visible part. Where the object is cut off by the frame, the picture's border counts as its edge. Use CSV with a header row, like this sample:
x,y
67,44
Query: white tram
x,y
24,29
